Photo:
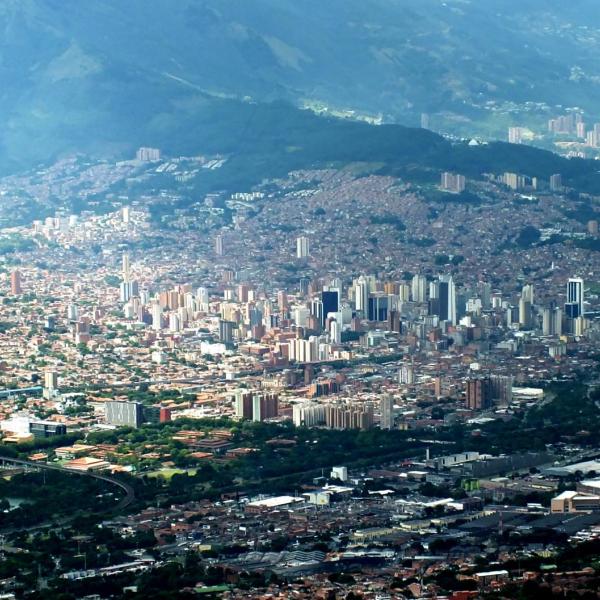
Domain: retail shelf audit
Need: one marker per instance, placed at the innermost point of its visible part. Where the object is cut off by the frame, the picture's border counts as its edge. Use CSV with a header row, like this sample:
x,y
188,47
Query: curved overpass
x,y
123,503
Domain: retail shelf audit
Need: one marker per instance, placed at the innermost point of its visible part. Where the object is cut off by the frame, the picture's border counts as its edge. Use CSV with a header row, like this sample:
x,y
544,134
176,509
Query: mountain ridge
x,y
104,76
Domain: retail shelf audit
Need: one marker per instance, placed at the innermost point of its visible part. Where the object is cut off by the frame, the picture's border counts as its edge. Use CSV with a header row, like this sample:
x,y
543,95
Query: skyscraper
x,y
575,301
72,312
419,288
225,331
219,245
527,293
556,182
331,303
147,154
125,267
156,312
302,247
525,313
453,183
378,307
15,283
50,380
447,298
515,135
479,394
316,310
552,321
386,407
361,295
130,414
501,389
335,332
243,404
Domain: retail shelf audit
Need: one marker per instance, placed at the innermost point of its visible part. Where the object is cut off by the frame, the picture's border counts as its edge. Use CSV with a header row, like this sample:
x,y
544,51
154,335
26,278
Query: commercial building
x,y
15,283
44,429
123,413
302,247
575,298
479,393
575,502
386,407
453,183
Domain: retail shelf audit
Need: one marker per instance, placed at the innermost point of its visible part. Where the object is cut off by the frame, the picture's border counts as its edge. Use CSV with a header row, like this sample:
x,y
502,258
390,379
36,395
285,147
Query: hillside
x,y
104,76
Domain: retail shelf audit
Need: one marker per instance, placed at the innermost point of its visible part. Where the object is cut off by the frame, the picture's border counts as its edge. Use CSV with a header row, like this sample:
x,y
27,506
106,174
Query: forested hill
x,y
103,76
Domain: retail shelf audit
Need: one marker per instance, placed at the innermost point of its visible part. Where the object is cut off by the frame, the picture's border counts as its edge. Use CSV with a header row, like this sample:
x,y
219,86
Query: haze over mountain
x,y
104,76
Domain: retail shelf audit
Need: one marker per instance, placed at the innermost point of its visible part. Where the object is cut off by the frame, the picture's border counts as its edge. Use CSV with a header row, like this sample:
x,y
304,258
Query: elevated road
x,y
123,503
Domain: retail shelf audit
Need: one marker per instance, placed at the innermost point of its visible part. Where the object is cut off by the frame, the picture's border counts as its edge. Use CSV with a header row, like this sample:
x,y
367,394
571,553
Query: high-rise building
x,y
335,332
128,290
124,413
308,414
243,404
225,331
527,293
525,313
501,389
219,245
331,303
394,322
264,406
419,288
445,294
453,183
575,298
15,282
147,154
552,321
282,301
404,292
512,180
302,247
51,380
579,326
156,313
174,323
203,298
316,310
556,182
406,374
485,293
515,135
378,307
125,270
361,295
564,124
304,283
349,416
386,407
242,292
72,312
479,394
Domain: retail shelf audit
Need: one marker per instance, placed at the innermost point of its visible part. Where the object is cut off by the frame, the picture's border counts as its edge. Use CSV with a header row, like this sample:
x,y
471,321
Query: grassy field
x,y
168,473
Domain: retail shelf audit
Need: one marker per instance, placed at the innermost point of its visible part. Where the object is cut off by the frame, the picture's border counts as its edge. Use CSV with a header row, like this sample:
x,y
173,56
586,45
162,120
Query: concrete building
x,y
123,413
302,247
574,502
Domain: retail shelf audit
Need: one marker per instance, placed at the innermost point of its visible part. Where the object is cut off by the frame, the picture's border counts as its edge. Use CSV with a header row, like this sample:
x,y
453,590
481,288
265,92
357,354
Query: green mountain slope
x,y
269,140
103,76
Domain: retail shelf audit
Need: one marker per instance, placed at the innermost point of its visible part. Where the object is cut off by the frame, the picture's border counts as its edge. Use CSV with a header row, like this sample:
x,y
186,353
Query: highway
x,y
123,503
